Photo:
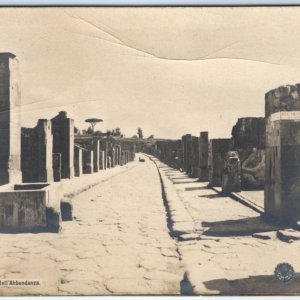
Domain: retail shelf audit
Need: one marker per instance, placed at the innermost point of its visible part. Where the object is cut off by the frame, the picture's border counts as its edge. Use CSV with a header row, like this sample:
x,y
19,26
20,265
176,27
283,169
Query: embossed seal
x,y
284,272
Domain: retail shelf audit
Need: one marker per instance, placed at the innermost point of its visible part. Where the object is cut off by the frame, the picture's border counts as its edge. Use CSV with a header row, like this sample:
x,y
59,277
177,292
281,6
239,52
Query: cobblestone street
x,y
118,243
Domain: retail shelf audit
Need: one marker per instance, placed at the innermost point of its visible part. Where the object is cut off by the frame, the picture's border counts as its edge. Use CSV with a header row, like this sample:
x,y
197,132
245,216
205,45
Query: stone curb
x,y
181,222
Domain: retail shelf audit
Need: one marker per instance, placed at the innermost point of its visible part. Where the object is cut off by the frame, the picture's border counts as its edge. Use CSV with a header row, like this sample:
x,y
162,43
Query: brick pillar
x,y
63,142
56,163
231,177
10,130
87,161
183,150
187,144
217,149
133,151
195,157
122,158
44,151
101,160
109,162
113,157
36,148
282,172
189,150
96,149
77,161
104,148
203,156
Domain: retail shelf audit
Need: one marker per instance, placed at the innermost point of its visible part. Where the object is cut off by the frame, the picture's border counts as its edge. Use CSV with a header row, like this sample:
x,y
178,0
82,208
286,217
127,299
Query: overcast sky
x,y
170,71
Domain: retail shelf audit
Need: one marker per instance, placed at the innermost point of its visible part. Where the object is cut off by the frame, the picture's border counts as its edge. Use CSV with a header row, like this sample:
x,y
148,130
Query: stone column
x,y
87,161
96,149
203,156
10,130
63,142
77,161
231,177
217,149
282,187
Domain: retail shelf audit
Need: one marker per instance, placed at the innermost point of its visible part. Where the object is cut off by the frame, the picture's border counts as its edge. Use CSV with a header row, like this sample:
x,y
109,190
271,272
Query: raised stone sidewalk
x,y
227,247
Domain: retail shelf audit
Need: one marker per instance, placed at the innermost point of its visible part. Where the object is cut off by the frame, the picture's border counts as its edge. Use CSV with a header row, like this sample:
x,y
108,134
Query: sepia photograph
x,y
149,151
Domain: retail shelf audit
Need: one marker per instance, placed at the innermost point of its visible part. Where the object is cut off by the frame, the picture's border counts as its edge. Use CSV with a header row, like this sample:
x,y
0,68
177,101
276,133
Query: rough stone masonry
x,y
282,188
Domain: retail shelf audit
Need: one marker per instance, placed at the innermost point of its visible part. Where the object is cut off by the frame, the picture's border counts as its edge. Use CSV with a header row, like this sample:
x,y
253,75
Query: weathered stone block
x,y
231,177
30,207
217,149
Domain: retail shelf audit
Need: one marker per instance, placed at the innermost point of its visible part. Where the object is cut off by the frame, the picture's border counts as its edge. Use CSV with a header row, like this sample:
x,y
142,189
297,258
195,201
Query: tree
x,y
140,133
93,122
90,130
76,130
151,137
98,133
118,132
